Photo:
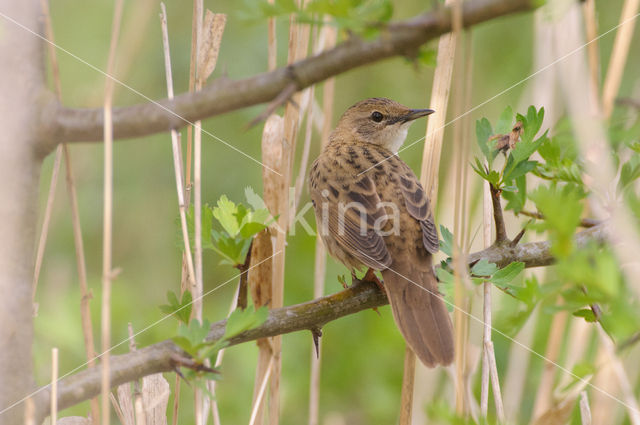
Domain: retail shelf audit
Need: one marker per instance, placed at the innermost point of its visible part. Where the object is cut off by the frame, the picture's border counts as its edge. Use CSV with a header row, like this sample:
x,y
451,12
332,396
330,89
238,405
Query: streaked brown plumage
x,y
359,166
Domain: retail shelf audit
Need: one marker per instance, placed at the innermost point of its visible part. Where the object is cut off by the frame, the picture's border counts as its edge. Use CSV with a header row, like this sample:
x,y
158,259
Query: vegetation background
x,y
363,353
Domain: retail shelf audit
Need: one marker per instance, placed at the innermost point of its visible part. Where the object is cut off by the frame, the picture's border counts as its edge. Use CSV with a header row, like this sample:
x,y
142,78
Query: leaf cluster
x,y
362,17
236,226
588,280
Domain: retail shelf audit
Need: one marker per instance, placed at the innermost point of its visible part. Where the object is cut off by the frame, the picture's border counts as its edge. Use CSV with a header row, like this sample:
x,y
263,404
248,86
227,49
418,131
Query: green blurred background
x,y
363,353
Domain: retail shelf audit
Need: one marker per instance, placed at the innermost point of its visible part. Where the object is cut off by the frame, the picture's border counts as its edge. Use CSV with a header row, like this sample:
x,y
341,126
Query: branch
x,y
312,315
534,254
584,222
61,124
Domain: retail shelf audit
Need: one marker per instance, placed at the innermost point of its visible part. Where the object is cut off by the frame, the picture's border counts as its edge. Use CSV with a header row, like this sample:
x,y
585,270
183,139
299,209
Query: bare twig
x,y
224,95
107,270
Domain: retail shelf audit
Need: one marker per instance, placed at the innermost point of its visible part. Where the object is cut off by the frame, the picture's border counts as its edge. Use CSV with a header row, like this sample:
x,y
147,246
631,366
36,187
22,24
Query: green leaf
x,y
225,213
185,344
483,132
562,208
586,314
484,268
516,199
243,320
446,244
505,122
195,332
520,169
182,309
248,230
629,172
507,274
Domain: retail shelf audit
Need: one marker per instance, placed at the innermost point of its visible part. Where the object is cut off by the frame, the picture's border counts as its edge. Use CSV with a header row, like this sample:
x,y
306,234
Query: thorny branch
x,y
312,315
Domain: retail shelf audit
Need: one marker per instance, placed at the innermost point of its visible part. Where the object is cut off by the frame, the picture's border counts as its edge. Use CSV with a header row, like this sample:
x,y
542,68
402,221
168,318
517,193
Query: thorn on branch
x,y
316,333
281,99
519,236
179,361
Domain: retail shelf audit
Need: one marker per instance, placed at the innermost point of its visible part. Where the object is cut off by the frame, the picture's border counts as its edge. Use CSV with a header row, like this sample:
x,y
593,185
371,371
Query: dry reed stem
x,y
55,71
272,45
176,400
261,391
260,277
306,148
137,396
197,182
29,412
44,232
585,411
85,311
599,169
298,43
439,101
328,37
633,408
408,382
619,55
461,298
517,367
262,274
211,385
486,298
54,385
430,168
120,405
176,152
107,269
591,30
544,396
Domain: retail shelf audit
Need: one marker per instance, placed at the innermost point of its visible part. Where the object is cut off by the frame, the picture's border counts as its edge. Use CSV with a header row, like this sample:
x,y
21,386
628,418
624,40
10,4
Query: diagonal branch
x,y
312,315
61,124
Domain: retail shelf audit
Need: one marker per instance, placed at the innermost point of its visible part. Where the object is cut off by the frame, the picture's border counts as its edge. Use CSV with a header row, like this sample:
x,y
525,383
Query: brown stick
x,y
501,232
225,95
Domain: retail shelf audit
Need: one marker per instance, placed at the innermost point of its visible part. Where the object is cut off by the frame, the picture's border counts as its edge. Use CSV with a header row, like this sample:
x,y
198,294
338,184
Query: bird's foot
x,y
370,276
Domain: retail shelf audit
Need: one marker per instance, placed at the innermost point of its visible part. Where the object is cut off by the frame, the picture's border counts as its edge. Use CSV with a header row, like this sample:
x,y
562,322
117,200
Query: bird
x,y
372,213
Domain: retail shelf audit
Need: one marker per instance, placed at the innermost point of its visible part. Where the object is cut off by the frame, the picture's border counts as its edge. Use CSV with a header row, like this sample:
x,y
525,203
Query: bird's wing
x,y
417,205
348,209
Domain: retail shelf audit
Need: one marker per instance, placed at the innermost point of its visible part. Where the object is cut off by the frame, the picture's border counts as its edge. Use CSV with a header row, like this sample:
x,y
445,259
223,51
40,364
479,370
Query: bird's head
x,y
378,121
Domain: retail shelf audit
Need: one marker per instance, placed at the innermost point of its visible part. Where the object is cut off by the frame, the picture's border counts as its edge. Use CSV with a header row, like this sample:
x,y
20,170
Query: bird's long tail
x,y
420,312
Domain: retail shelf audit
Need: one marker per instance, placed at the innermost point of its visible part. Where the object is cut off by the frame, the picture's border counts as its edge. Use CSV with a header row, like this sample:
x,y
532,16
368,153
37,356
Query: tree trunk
x,y
21,97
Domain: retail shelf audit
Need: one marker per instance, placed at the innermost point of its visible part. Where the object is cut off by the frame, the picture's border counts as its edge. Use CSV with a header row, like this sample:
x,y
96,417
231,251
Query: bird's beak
x,y
415,114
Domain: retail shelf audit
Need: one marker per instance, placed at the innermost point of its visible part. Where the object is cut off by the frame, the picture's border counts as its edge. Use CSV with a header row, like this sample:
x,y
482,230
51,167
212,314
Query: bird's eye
x,y
376,116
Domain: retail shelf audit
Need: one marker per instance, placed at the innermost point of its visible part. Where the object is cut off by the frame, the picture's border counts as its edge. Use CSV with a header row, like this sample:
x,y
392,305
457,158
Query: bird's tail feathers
x,y
420,313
